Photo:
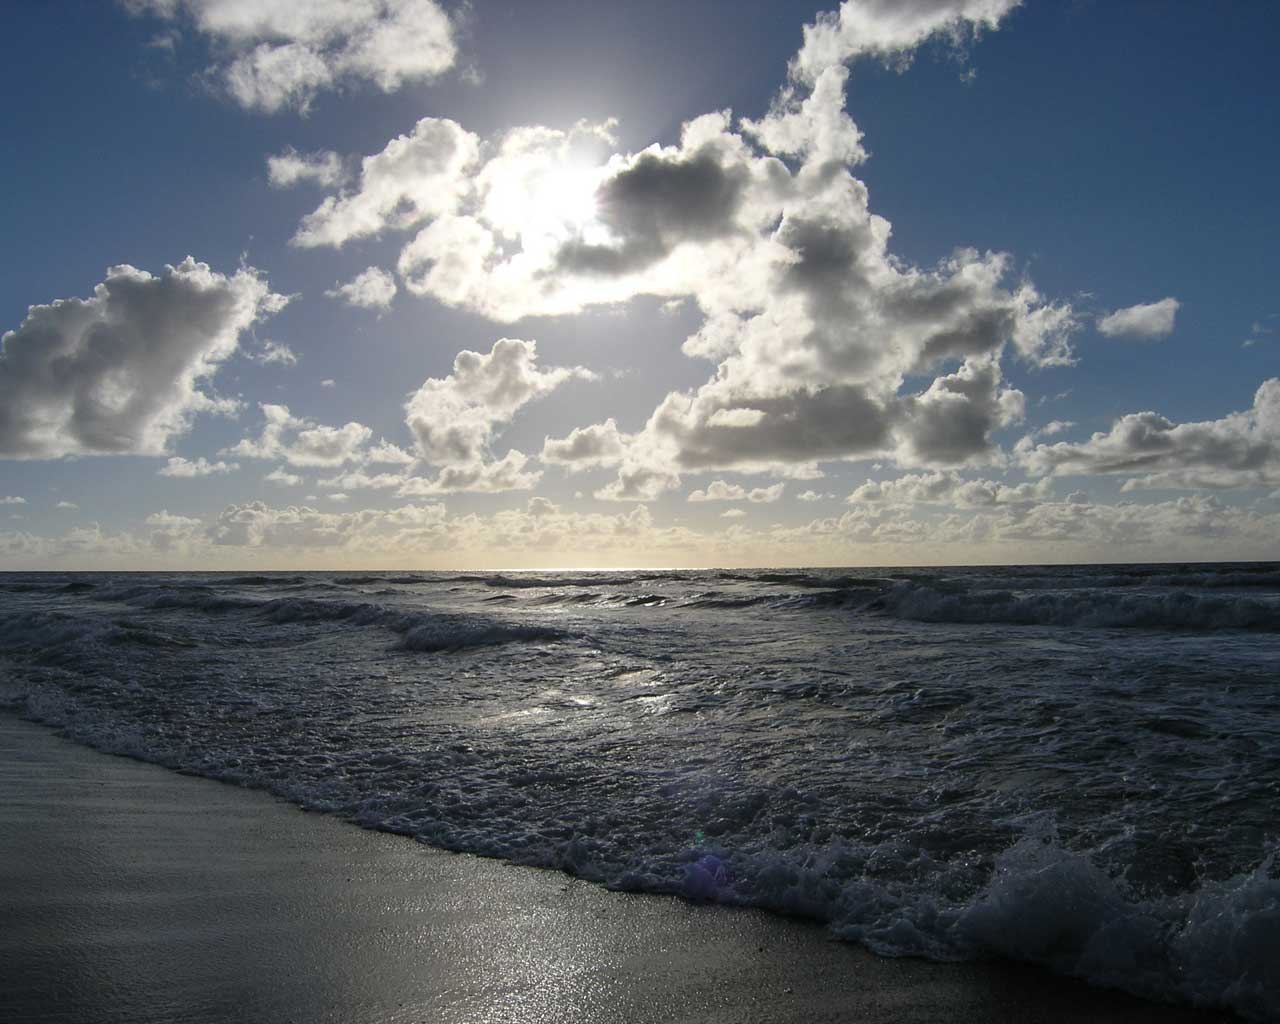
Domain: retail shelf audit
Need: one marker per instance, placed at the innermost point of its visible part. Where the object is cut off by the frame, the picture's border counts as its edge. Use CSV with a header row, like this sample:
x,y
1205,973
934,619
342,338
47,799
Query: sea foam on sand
x,y
130,893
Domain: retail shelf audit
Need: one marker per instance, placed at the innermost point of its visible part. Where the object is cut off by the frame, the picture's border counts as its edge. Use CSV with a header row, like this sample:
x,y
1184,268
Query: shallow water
x,y
1077,766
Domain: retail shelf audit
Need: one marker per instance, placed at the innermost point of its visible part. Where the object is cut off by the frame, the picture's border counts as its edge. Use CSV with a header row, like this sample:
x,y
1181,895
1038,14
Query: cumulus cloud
x,y
180,467
284,478
719,490
1239,450
415,177
119,373
600,444
386,453
302,442
949,489
67,505
483,477
1145,321
12,499
890,28
370,289
539,526
1194,524
274,352
323,168
275,54
826,345
361,480
454,418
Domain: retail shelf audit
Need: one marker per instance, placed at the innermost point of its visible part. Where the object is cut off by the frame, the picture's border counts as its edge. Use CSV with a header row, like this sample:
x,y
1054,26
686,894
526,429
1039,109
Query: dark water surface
x,y
1075,766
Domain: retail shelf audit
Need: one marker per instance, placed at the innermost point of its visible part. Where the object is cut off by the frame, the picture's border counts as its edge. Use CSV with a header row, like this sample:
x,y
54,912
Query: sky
x,y
420,284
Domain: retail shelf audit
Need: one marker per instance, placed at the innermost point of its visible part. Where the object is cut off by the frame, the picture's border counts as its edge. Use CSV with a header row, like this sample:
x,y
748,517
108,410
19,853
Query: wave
x,y
422,631
440,637
1213,945
1175,610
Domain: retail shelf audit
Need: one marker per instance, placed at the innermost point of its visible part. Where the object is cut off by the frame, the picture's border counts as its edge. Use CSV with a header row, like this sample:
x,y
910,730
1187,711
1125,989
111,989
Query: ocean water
x,y
1076,766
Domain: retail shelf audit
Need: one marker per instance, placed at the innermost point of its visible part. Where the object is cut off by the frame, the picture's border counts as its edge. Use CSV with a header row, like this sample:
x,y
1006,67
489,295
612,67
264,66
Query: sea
x,y
1073,766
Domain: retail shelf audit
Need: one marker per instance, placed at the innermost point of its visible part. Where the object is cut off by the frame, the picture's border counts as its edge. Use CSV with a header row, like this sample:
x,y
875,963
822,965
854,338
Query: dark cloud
x,y
654,205
117,373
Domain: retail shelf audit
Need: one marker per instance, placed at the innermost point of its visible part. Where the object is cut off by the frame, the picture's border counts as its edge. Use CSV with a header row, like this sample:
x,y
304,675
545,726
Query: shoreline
x,y
134,893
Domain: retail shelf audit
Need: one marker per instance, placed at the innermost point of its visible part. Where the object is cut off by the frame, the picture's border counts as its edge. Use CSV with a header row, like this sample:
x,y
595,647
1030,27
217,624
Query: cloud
x,y
1053,428
1240,450
1145,321
302,442
454,418
323,168
654,205
370,289
68,505
275,352
274,54
285,479
12,499
482,477
825,344
180,467
386,453
719,490
888,28
600,444
415,177
118,373
360,480
948,489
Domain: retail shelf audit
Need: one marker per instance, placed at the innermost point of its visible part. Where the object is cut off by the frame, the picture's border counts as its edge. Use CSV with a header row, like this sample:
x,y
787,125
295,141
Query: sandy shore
x,y
130,893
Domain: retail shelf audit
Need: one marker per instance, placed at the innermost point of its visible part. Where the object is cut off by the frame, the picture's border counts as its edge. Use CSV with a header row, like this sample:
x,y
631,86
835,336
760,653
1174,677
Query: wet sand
x,y
131,893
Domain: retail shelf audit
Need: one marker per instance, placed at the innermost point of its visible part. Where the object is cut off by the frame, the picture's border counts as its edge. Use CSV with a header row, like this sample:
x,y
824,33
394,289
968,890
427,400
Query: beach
x,y
133,893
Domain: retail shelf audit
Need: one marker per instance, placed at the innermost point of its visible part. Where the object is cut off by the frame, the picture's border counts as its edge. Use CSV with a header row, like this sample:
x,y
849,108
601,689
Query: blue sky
x,y
1059,351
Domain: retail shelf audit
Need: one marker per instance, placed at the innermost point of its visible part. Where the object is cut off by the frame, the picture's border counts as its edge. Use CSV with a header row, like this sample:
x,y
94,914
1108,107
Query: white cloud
x,y
289,168
1145,321
818,331
118,373
328,382
719,490
285,479
386,453
12,499
274,352
180,467
414,177
370,289
454,419
68,505
302,442
809,496
733,513
948,489
586,447
360,480
1239,450
889,28
484,477
274,54
1053,428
